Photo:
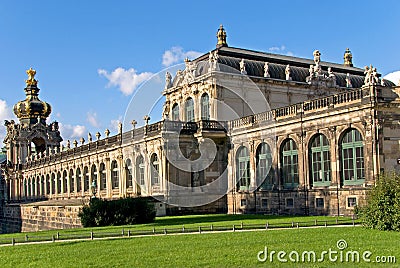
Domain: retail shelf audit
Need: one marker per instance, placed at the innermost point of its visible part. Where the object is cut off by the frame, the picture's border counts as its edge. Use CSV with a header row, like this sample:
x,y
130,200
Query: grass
x,y
233,249
175,224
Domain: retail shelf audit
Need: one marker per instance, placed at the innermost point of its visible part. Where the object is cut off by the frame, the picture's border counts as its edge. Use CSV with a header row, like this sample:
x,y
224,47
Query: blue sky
x,y
90,56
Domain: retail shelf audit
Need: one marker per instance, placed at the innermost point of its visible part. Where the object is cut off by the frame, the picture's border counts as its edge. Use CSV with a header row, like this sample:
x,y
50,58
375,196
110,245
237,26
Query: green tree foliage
x,y
382,210
124,211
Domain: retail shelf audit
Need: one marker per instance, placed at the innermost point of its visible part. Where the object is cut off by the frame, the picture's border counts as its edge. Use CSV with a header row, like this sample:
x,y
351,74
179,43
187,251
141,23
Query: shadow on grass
x,y
196,219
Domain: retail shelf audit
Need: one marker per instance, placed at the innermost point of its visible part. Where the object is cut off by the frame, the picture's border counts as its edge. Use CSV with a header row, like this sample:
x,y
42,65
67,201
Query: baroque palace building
x,y
286,135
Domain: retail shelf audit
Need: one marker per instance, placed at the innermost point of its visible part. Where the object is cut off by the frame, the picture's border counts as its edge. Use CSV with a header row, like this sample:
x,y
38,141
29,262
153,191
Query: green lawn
x,y
177,223
233,249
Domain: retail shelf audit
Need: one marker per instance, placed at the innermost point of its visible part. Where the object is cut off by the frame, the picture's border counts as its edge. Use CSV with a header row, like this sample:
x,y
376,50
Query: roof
x,y
255,61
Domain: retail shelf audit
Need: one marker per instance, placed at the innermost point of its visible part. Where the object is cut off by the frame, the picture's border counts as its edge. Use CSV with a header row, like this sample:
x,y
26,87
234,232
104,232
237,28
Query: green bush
x,y
124,211
382,210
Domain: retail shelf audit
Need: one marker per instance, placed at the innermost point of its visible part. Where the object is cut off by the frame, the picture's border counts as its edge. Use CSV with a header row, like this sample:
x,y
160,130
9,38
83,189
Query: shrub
x,y
124,211
382,210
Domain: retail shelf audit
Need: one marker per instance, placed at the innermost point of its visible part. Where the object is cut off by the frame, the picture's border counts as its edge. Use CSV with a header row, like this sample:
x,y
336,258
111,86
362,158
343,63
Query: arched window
x,y
175,112
140,169
114,175
320,165
154,170
103,178
352,157
189,110
205,107
25,187
59,182
43,185
86,178
28,188
264,172
78,176
65,182
53,183
128,173
71,181
289,160
243,168
48,181
93,174
38,185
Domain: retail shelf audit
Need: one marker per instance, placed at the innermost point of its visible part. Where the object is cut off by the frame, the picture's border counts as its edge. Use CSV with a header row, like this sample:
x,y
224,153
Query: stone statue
x,y
288,72
168,80
317,57
266,70
213,61
331,77
90,139
242,67
120,127
68,144
348,81
371,76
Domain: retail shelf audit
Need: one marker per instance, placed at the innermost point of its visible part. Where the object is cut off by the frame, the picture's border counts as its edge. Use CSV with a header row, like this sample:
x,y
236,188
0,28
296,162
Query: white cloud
x,y
91,117
177,54
126,80
394,77
280,50
70,132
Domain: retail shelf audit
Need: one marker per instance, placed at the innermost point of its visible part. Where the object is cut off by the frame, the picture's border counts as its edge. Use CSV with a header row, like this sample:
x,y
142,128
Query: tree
x,y
382,210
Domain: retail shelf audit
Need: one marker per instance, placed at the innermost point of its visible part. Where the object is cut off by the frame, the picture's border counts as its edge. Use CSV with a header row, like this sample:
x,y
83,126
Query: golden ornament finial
x,y
221,35
31,77
348,58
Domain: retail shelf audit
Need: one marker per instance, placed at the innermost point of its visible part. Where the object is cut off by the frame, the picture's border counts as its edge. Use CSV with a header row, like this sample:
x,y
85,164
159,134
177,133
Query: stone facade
x,y
290,136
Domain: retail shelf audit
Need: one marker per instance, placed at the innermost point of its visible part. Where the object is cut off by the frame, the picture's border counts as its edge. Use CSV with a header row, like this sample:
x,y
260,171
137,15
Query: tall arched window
x,y
289,160
189,110
93,175
175,112
71,181
59,182
114,175
128,173
103,177
65,182
78,176
352,157
320,165
37,186
243,168
263,166
53,183
48,188
140,170
154,170
28,189
86,178
205,107
42,186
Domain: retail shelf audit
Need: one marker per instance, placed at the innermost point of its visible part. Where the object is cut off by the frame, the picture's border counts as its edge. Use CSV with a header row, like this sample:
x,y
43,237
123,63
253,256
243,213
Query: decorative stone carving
x,y
371,76
133,123
190,71
348,58
317,78
242,65
213,61
68,144
107,132
266,70
98,135
288,73
90,137
168,80
146,118
348,81
75,143
82,140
